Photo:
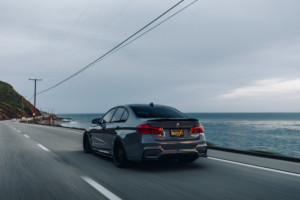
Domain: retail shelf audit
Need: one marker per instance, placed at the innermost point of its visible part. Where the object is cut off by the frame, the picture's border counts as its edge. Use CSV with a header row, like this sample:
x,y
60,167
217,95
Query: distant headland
x,y
11,105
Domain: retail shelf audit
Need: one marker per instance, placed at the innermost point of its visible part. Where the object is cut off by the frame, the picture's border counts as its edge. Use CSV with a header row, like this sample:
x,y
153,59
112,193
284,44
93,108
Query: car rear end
x,y
170,134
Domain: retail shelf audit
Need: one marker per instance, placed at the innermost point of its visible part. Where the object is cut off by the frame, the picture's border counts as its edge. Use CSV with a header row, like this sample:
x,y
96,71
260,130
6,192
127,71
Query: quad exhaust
x,y
166,157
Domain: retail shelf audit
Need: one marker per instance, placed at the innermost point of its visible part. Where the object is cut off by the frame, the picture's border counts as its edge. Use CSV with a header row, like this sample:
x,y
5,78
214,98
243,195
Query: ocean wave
x,y
260,125
76,124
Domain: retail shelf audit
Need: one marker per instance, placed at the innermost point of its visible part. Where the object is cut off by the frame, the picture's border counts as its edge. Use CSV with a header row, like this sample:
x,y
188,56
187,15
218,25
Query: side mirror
x,y
95,121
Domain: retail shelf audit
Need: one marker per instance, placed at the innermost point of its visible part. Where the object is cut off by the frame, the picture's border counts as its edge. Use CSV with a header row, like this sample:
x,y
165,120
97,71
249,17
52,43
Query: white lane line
x,y
44,148
257,167
19,131
26,136
100,188
53,128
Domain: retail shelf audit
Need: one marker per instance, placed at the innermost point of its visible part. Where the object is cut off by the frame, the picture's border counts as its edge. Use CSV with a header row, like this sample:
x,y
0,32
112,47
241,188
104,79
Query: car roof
x,y
148,105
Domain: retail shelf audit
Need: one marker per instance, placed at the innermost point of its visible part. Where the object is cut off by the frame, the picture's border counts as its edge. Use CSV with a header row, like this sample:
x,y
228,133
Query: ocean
x,y
274,132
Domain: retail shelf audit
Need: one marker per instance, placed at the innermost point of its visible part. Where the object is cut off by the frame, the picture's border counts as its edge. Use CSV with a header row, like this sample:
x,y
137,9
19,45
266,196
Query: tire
x,y
86,144
120,158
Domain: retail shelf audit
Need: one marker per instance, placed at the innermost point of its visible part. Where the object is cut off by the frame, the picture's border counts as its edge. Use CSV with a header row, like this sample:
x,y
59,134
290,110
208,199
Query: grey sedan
x,y
139,132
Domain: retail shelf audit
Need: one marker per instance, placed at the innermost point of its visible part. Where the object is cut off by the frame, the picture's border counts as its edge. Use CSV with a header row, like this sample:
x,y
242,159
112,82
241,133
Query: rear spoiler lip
x,y
173,119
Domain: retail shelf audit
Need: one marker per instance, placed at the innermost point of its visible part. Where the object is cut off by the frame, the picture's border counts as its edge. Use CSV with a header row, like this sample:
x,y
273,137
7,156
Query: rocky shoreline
x,y
45,120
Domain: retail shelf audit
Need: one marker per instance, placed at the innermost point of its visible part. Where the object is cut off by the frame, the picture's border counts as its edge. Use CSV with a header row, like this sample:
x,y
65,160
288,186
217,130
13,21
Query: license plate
x,y
177,132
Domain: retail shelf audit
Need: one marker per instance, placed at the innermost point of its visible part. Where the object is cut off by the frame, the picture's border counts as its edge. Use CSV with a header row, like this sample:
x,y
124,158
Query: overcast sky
x,y
215,56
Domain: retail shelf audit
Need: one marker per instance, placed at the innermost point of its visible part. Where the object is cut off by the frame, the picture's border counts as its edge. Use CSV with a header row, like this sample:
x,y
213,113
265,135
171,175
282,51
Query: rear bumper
x,y
159,153
144,147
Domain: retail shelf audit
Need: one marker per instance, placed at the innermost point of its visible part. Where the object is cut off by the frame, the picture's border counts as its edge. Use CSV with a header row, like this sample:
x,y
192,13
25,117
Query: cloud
x,y
212,48
266,88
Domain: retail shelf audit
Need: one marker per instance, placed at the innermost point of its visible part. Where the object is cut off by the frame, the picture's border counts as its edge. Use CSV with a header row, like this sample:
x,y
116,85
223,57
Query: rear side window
x,y
156,112
107,117
124,116
118,114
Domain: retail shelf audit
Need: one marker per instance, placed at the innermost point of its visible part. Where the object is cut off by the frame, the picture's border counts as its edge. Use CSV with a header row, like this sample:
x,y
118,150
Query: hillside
x,y
11,103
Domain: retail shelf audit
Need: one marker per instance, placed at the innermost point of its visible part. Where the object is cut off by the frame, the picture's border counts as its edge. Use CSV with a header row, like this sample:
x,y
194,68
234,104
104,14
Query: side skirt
x,y
103,152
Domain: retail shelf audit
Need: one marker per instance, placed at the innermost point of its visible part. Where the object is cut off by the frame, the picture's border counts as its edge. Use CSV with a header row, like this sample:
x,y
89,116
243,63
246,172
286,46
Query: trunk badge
x,y
177,125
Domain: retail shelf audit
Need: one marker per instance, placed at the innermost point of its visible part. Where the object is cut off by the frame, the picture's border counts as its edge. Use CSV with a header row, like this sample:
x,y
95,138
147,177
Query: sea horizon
x,y
273,132
182,112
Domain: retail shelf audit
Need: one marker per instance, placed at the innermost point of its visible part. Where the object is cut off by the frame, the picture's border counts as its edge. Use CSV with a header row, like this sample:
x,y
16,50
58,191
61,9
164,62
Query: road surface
x,y
43,162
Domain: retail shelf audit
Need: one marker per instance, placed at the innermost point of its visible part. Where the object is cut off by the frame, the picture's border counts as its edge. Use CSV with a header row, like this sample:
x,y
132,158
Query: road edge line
x,y
250,153
255,166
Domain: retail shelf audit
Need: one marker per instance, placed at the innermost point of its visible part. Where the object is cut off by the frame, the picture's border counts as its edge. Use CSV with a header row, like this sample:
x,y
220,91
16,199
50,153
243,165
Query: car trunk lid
x,y
174,129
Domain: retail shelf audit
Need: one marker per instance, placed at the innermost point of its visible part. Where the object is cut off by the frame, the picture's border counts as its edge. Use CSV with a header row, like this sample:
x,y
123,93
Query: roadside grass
x,y
211,144
10,97
264,152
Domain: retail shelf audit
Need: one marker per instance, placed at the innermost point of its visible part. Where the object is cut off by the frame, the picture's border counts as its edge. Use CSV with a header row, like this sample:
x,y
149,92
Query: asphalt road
x,y
41,162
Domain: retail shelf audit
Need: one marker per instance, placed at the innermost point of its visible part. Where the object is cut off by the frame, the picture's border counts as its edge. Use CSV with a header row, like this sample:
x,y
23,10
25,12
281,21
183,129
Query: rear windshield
x,y
156,112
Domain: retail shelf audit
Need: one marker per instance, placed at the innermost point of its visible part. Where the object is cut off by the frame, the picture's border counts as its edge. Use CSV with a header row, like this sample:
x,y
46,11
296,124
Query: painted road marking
x,y
100,188
19,131
26,136
44,148
257,167
80,131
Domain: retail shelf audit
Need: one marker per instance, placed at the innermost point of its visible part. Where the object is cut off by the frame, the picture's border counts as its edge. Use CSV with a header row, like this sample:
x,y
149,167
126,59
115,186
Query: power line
x,y
149,29
98,59
31,98
91,38
61,41
63,38
121,47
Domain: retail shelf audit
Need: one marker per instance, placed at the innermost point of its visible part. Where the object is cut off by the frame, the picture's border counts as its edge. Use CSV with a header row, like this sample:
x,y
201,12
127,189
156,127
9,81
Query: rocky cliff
x,y
11,103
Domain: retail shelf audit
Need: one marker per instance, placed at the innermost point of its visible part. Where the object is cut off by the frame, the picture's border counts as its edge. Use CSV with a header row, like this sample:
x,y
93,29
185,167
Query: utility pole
x,y
34,97
22,108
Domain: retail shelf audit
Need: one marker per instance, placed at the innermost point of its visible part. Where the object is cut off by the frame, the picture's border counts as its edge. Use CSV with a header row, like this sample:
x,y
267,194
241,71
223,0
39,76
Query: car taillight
x,y
155,130
198,129
143,129
146,129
